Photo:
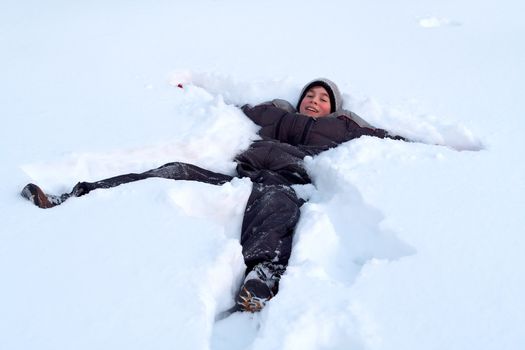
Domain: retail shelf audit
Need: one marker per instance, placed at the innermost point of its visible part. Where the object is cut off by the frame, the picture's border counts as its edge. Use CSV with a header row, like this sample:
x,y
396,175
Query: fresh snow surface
x,y
401,245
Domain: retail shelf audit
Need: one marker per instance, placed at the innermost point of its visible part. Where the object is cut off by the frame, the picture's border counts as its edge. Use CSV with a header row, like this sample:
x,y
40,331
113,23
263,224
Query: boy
x,y
274,164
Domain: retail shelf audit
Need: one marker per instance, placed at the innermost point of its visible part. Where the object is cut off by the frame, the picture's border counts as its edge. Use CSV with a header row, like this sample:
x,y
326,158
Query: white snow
x,y
434,22
401,245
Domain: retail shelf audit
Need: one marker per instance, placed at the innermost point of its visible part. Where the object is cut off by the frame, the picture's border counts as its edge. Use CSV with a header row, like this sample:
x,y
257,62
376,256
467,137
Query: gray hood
x,y
336,101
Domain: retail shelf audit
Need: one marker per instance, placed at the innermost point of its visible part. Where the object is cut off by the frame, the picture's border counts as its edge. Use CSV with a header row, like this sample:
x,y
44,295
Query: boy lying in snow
x,y
273,164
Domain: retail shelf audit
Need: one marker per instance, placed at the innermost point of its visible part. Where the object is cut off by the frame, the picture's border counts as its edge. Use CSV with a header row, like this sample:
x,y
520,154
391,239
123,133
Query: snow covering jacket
x,y
300,130
288,136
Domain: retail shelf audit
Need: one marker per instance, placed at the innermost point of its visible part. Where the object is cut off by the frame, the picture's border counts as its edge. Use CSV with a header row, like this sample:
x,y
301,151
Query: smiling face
x,y
316,103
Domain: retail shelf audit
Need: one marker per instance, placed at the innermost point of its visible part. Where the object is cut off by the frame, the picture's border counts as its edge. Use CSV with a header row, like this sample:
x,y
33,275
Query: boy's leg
x,y
269,221
270,218
185,171
174,171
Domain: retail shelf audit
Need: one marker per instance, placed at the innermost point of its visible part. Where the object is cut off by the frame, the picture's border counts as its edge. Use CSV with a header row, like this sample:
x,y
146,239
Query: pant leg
x,y
269,221
173,171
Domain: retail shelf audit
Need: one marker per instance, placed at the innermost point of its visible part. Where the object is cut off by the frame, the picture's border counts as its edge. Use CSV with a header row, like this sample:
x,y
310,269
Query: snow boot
x,y
34,194
259,286
253,295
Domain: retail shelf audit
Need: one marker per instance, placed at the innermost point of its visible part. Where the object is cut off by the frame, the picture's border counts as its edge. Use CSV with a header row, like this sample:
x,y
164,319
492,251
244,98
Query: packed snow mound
x,y
424,128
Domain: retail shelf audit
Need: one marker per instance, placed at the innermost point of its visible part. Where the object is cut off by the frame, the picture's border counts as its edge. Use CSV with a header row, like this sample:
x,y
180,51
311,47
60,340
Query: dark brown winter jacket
x,y
316,134
288,137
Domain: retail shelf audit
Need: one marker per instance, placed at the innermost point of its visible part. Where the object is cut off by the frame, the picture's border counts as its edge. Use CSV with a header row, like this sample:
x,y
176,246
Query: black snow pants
x,y
272,210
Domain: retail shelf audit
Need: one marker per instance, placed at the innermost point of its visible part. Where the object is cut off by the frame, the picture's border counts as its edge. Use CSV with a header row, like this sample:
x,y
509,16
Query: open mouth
x,y
311,109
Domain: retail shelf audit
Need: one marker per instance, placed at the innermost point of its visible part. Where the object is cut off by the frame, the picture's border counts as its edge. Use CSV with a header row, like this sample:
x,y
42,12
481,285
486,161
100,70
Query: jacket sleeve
x,y
263,114
298,129
279,124
355,131
330,132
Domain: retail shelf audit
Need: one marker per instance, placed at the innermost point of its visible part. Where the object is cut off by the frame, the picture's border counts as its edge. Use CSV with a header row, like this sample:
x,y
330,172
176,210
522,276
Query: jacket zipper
x,y
306,130
278,128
